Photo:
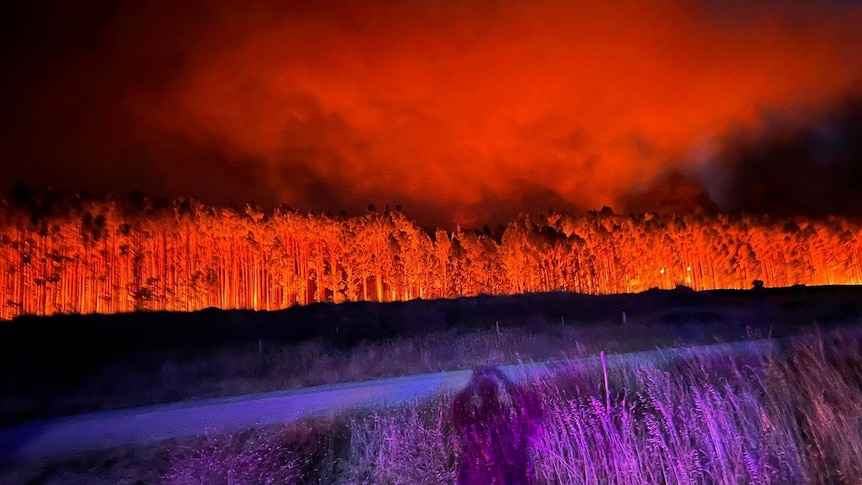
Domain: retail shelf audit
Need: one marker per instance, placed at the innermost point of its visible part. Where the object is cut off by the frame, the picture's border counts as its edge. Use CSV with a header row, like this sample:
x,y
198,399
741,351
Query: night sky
x,y
461,112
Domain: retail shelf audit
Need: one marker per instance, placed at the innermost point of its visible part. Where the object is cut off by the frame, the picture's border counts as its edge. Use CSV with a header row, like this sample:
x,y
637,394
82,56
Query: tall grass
x,y
238,460
415,445
793,417
789,419
242,369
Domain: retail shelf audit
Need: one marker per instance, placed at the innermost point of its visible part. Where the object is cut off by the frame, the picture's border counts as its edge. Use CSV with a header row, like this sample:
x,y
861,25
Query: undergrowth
x,y
793,416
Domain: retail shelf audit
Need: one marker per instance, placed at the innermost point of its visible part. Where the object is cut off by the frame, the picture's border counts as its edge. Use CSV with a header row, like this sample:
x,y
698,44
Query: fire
x,y
118,256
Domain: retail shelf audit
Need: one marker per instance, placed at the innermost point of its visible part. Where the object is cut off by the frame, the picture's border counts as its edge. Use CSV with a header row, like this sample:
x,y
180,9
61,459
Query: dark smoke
x,y
815,171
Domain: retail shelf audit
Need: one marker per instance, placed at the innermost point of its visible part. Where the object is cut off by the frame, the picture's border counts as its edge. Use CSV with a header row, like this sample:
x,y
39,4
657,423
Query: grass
x,y
270,367
779,419
793,416
776,420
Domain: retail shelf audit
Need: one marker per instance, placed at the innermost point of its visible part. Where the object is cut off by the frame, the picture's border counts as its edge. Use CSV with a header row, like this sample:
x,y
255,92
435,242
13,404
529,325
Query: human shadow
x,y
496,422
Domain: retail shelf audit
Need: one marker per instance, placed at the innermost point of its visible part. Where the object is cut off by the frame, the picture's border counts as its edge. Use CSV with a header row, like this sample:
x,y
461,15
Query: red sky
x,y
461,114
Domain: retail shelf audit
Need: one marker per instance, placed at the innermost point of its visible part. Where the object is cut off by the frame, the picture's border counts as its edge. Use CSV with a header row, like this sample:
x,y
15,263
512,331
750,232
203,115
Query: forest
x,y
110,254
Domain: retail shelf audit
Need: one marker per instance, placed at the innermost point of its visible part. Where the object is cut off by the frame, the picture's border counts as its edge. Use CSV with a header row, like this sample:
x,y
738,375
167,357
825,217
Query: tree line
x,y
110,254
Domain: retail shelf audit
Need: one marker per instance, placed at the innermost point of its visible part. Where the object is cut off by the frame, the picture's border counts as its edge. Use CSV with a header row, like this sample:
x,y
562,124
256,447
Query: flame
x,y
118,256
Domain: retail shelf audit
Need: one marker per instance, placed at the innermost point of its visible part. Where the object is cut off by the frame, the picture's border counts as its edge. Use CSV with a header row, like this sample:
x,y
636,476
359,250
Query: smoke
x,y
461,112
813,169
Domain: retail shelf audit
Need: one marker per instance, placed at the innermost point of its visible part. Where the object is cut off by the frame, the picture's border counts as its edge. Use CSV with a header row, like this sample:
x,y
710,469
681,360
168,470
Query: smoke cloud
x,y
461,112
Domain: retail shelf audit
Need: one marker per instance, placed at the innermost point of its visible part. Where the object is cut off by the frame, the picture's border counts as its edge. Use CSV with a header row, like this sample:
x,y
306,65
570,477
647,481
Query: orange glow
x,y
108,258
462,110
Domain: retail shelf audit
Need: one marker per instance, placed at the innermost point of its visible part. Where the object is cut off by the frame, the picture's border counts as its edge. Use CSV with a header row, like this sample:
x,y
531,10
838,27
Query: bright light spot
x,y
688,269
661,271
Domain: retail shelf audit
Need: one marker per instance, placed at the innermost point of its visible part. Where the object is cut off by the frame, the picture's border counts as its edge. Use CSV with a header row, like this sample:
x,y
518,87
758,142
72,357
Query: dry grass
x,y
774,420
311,363
235,371
791,417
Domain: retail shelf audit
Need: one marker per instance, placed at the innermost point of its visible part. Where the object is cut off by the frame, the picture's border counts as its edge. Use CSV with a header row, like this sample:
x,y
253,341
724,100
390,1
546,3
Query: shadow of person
x,y
496,421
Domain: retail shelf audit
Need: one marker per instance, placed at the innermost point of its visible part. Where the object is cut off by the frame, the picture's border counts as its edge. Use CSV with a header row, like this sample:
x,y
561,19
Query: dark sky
x,y
461,112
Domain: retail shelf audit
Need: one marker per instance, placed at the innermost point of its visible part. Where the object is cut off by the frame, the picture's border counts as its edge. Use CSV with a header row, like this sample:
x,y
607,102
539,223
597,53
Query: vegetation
x,y
110,255
771,419
238,370
785,417
63,365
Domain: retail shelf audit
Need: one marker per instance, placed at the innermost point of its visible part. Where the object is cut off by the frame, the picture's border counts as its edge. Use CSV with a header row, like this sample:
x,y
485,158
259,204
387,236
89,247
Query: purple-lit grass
x,y
273,456
219,462
228,372
773,420
770,420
